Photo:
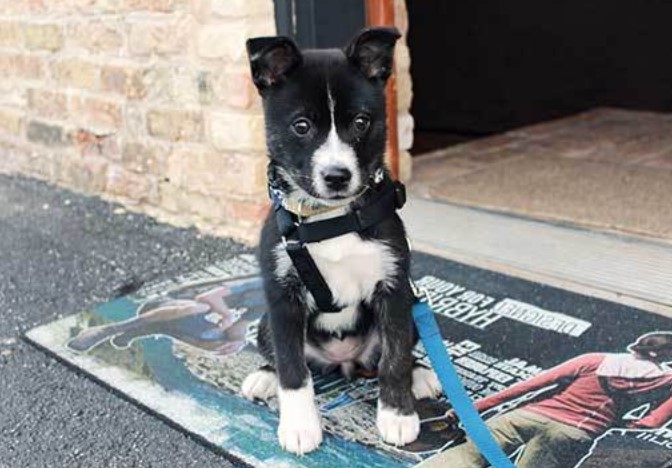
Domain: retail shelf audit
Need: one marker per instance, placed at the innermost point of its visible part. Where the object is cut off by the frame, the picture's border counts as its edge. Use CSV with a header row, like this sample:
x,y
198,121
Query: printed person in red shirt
x,y
590,395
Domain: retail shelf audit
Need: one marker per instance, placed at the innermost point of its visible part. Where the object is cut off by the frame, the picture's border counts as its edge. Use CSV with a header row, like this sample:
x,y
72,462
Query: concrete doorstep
x,y
632,270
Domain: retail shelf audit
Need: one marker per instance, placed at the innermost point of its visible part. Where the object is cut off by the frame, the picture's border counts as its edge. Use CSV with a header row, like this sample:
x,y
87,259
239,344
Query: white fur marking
x,y
352,267
425,383
300,195
348,369
331,103
282,262
335,152
299,430
344,350
315,355
371,345
261,385
395,428
335,322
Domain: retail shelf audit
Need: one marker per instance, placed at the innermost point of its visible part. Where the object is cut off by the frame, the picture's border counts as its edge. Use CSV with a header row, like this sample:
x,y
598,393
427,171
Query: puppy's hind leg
x,y
397,420
263,383
425,382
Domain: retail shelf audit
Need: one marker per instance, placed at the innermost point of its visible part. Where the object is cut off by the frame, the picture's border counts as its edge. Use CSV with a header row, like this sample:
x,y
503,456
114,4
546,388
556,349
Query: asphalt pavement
x,y
62,252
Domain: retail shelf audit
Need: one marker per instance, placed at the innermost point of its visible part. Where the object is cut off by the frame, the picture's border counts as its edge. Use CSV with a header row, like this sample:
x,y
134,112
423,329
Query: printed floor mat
x,y
181,348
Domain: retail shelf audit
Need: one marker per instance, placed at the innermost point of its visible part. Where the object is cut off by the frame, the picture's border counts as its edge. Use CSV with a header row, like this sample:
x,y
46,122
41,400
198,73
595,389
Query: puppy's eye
x,y
301,126
361,123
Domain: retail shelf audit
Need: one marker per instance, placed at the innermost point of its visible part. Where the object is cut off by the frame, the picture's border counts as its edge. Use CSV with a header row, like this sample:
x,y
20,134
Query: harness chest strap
x,y
311,277
386,197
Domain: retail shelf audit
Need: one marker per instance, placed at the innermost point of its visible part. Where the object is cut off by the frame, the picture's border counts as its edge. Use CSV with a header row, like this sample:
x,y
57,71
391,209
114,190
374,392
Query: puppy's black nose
x,y
336,177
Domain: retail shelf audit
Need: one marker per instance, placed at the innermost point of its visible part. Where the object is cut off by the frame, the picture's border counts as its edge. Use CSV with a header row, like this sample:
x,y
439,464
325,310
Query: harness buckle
x,y
289,242
378,176
285,221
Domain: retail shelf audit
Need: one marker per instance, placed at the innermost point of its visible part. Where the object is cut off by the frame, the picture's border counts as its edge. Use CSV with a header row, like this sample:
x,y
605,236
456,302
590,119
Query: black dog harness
x,y
381,198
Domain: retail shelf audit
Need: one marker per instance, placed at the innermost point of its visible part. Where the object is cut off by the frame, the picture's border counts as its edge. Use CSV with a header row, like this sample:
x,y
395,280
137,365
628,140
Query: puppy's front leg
x,y
397,419
299,430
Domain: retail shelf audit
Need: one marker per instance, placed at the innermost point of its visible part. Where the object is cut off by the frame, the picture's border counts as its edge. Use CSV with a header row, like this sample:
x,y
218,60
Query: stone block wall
x,y
145,102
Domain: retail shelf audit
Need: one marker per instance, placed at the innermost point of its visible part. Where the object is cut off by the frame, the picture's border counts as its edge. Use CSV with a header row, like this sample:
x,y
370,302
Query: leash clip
x,y
421,294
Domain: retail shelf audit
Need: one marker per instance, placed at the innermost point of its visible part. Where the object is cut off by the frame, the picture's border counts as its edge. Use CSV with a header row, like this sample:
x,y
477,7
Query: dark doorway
x,y
320,23
488,66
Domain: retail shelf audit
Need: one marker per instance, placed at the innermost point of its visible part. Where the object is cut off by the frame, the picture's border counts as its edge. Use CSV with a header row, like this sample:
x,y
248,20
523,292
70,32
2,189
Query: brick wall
x,y
404,91
146,102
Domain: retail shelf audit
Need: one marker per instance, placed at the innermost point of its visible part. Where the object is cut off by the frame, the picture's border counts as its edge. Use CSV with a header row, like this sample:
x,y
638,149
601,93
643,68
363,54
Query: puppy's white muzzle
x,y
336,173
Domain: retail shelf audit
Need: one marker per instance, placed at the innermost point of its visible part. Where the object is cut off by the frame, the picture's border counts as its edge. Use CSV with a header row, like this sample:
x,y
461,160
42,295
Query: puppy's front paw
x,y
396,428
300,430
300,435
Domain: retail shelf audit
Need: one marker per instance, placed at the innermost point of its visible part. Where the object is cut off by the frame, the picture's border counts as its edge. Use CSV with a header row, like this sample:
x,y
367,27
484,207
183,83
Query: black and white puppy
x,y
325,127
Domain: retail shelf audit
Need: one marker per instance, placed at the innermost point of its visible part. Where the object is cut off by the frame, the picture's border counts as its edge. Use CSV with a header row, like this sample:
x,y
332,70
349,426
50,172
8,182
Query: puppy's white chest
x,y
352,267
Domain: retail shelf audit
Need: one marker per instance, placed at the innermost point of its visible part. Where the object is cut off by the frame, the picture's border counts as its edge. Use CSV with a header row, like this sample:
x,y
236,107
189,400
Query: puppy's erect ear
x,y
271,58
372,51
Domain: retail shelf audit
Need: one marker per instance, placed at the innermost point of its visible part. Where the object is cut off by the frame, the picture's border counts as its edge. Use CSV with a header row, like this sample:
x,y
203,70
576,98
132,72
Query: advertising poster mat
x,y
563,379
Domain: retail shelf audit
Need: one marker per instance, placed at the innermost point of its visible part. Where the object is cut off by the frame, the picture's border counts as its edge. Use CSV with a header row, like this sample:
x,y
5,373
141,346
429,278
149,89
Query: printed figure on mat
x,y
213,318
576,402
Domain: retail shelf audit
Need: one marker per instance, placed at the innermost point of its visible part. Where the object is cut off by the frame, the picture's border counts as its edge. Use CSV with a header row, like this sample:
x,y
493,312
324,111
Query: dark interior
x,y
320,23
481,67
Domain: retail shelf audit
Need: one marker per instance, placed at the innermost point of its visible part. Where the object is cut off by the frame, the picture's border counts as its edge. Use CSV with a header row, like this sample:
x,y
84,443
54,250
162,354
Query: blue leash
x,y
443,366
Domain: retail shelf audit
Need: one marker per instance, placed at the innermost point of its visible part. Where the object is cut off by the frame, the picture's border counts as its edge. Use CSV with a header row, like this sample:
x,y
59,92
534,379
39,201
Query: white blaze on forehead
x,y
331,103
334,152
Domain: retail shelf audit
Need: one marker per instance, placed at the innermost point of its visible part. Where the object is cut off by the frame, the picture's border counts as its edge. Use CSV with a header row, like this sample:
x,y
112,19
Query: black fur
x,y
299,90
294,85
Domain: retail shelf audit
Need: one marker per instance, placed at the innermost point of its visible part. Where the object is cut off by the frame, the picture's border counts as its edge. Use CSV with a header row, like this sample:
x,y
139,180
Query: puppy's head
x,y
325,111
